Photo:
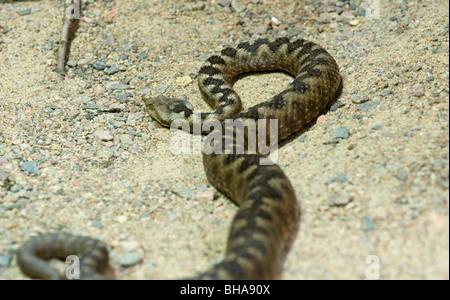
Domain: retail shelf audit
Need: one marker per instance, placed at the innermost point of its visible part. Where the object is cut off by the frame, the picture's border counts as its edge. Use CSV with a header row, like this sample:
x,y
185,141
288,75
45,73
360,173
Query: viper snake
x,y
268,217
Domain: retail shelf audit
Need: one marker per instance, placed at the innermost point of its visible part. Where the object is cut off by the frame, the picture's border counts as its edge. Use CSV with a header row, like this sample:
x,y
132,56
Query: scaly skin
x,y
268,218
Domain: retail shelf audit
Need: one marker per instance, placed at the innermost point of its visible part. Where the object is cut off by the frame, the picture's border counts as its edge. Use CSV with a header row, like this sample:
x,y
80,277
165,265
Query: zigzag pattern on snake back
x,y
268,218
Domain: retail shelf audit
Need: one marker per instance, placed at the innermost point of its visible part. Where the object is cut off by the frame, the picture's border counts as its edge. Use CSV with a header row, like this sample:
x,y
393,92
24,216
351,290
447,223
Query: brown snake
x,y
268,216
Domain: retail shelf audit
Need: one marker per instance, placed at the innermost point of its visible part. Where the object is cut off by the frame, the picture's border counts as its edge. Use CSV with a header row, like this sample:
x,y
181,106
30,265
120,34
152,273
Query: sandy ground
x,y
104,168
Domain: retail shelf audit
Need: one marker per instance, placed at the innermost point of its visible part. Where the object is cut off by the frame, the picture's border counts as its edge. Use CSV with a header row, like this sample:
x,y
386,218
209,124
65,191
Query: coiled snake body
x,y
267,220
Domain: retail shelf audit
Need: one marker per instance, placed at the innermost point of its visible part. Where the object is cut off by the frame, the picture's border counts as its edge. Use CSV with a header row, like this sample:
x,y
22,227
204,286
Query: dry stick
x,y
63,46
70,25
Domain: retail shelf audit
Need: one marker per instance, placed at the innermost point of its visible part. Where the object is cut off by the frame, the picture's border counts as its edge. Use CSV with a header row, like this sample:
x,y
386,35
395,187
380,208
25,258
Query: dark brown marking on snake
x,y
224,91
278,101
247,212
209,70
253,173
305,50
312,66
253,48
213,81
279,42
245,165
229,159
292,46
182,108
298,85
245,230
225,100
230,52
225,104
216,60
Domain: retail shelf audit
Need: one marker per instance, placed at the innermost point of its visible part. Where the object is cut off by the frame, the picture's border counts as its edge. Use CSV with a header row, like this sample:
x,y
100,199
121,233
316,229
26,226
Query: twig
x,y
72,15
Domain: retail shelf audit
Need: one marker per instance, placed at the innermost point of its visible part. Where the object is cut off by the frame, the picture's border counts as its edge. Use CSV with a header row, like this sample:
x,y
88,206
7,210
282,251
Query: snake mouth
x,y
151,110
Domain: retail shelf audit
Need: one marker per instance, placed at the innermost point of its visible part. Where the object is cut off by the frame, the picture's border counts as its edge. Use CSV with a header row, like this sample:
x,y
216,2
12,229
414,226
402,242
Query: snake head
x,y
165,110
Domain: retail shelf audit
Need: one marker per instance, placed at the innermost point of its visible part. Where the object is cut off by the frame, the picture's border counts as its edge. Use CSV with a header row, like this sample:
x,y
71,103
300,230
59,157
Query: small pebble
x,y
161,89
48,46
437,50
354,22
183,191
302,138
135,150
112,70
109,40
99,64
340,178
24,12
402,200
72,63
130,259
123,96
105,154
333,141
367,223
142,55
126,139
336,105
343,199
386,93
237,6
80,73
377,127
401,176
198,6
3,177
92,105
133,117
358,99
321,118
103,135
130,246
120,86
225,3
368,105
327,17
351,147
5,260
416,205
116,107
30,166
417,90
184,81
205,196
341,133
